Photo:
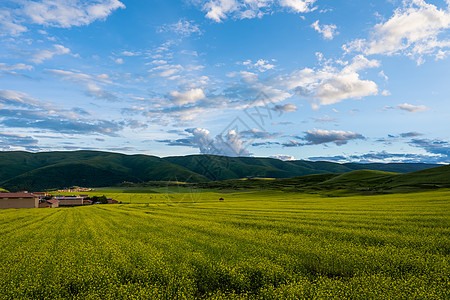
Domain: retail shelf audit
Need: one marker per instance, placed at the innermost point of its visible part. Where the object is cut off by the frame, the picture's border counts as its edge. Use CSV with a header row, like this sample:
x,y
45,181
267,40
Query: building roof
x,y
52,201
17,195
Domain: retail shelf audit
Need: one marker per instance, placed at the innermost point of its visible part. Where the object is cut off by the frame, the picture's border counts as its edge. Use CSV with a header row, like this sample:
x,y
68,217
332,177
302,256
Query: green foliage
x,y
100,199
50,170
258,245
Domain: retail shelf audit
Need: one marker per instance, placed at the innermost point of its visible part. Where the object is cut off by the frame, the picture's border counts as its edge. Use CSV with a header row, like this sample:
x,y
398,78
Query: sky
x,y
343,81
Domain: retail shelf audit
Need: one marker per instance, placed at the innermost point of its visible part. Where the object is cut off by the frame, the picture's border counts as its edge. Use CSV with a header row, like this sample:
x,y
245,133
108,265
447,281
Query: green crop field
x,y
266,245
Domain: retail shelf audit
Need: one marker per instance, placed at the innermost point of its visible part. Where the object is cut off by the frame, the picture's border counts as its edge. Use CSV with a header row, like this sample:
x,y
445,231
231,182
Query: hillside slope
x,y
35,171
359,181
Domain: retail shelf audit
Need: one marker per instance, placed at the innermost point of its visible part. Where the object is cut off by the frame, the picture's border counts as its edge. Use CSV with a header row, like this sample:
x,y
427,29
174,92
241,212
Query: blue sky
x,y
363,81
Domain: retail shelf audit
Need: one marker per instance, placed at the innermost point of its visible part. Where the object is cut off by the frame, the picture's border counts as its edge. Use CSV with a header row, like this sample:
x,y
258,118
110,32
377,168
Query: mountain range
x,y
48,170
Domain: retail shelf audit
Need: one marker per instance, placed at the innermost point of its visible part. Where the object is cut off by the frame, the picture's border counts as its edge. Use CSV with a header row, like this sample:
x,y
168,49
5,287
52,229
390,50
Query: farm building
x,y
112,201
70,200
41,195
18,200
53,203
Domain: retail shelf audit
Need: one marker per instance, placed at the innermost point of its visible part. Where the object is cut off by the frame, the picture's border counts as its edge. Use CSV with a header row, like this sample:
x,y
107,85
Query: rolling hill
x,y
45,170
359,181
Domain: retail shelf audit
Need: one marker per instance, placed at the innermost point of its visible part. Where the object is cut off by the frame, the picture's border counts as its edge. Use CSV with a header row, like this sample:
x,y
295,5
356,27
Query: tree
x,y
103,200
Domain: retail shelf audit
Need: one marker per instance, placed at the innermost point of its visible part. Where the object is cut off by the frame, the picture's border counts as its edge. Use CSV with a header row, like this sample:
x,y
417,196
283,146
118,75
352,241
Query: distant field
x,y
263,245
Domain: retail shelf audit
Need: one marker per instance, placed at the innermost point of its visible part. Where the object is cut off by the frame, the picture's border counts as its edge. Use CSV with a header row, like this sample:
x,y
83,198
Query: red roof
x,y
17,195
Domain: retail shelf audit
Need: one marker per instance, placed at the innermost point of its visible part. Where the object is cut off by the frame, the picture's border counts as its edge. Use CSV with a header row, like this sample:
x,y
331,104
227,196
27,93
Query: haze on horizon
x,y
290,79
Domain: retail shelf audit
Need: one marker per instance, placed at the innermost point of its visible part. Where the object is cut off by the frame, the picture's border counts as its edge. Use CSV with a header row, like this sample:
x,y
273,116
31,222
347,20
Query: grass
x,y
262,245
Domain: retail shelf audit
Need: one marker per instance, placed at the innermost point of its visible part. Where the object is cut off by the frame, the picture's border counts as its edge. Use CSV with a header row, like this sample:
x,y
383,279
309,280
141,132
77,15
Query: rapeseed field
x,y
255,245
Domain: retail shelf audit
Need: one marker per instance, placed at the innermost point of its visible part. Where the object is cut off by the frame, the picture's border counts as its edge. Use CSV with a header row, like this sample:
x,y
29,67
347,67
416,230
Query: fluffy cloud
x,y
64,13
327,31
261,65
330,84
42,55
300,6
182,27
411,108
228,144
283,157
186,97
414,30
218,10
69,13
318,136
9,24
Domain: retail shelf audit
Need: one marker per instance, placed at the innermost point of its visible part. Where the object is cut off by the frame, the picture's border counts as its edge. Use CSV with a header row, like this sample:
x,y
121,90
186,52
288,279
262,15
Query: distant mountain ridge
x,y
45,170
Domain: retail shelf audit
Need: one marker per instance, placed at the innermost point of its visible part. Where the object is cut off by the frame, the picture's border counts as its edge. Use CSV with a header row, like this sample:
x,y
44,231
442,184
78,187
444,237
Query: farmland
x,y
267,245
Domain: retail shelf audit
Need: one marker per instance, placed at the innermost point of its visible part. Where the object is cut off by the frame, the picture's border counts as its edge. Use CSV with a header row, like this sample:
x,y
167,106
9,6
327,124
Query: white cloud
x,y
411,108
186,97
6,67
227,144
91,83
119,61
182,27
14,98
330,85
9,25
219,10
382,75
62,13
42,55
339,137
300,6
283,157
261,65
130,53
69,13
327,31
414,30
157,62
166,70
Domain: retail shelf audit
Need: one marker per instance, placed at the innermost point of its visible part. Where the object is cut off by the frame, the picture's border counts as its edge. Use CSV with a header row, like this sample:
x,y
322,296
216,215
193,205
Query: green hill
x,y
37,171
223,168
359,181
45,170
